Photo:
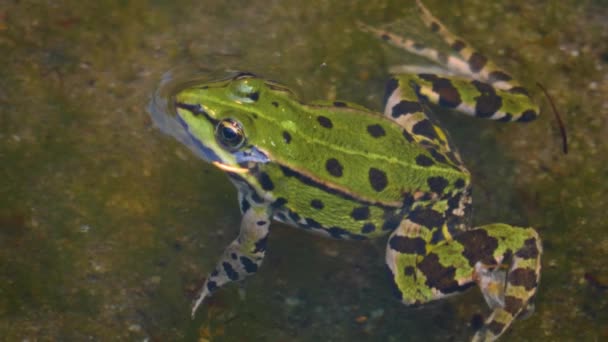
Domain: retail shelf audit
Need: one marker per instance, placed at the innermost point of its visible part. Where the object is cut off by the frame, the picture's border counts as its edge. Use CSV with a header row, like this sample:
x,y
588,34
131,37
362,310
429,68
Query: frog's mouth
x,y
244,160
228,168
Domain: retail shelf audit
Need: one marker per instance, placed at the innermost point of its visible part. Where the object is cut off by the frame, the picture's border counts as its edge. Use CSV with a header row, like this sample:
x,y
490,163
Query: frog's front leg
x,y
244,255
503,260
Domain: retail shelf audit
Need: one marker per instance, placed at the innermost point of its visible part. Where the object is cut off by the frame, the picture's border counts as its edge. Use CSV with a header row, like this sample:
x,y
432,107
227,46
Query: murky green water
x,y
107,226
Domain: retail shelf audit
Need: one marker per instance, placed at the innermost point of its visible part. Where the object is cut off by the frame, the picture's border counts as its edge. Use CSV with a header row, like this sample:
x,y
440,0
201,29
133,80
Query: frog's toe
x,y
202,294
239,261
485,334
491,281
527,311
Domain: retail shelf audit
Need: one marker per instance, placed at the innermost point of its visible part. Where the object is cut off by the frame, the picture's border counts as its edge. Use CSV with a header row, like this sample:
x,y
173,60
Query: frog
x,y
342,171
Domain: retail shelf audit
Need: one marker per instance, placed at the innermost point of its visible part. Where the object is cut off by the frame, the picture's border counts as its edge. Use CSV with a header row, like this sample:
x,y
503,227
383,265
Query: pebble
x,y
135,328
377,313
292,301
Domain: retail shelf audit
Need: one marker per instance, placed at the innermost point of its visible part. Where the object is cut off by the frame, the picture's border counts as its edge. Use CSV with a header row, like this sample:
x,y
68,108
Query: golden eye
x,y
230,134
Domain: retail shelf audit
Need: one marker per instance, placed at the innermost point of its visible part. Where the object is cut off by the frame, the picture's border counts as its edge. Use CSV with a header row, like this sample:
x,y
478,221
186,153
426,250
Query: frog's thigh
x,y
423,272
244,255
406,93
403,105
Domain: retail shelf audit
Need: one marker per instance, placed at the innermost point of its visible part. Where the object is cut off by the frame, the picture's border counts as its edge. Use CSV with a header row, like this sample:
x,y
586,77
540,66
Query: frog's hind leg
x,y
469,62
503,260
467,96
422,271
450,63
403,104
244,255
509,294
480,88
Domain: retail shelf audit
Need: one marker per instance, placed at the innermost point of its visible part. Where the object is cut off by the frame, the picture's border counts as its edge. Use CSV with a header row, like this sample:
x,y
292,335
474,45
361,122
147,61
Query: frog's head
x,y
220,118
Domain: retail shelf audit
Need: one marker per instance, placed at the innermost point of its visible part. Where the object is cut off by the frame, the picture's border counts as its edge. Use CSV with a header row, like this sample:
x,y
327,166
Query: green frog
x,y
342,171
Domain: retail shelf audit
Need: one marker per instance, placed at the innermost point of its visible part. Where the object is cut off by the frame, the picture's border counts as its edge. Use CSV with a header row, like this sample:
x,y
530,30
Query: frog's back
x,y
349,172
358,152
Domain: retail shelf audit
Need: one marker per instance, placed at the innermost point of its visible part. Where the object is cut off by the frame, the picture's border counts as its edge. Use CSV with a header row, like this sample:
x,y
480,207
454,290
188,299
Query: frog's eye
x,y
230,134
246,89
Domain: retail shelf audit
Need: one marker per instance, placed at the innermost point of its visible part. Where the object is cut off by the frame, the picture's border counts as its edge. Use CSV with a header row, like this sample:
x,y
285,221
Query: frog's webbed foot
x,y
242,257
491,281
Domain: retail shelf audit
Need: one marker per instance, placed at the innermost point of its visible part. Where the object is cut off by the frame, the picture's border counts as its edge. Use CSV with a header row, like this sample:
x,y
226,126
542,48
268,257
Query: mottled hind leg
x,y
504,261
509,294
493,93
421,271
450,64
243,256
469,61
404,105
